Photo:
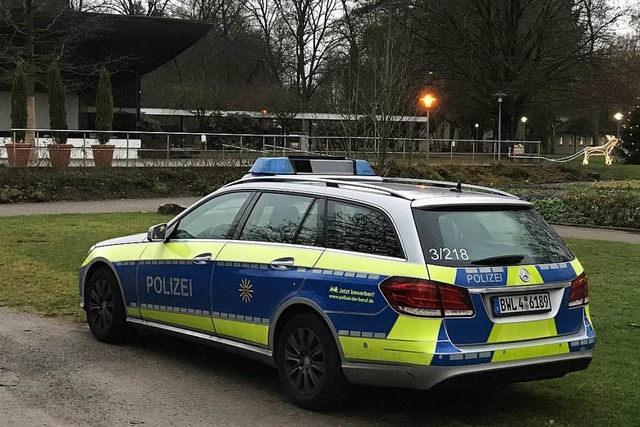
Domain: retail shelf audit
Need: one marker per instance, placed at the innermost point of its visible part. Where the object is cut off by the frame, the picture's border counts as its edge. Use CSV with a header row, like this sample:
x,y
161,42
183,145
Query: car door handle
x,y
282,263
202,259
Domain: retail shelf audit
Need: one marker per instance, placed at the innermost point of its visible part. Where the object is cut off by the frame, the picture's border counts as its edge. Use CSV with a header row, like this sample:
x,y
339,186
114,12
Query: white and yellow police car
x,y
334,275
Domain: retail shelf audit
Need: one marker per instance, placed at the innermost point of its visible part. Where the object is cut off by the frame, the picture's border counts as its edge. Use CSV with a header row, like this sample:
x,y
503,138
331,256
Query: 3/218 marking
x,y
448,254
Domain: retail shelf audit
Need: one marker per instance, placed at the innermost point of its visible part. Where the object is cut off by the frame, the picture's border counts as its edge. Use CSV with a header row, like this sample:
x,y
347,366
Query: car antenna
x,y
458,187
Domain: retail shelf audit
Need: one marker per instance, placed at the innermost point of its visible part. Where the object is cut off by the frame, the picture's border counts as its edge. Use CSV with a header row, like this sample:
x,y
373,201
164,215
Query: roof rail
x,y
352,181
451,185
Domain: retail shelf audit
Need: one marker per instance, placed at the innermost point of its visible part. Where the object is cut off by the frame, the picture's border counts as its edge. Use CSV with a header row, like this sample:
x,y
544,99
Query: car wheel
x,y
105,310
309,364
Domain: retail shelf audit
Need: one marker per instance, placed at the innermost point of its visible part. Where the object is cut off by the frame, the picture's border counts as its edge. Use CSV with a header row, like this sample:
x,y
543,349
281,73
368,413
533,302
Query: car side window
x,y
212,219
275,218
360,229
311,231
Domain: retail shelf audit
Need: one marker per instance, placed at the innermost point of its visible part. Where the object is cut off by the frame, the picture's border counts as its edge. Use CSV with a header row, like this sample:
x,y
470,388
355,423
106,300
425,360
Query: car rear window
x,y
488,236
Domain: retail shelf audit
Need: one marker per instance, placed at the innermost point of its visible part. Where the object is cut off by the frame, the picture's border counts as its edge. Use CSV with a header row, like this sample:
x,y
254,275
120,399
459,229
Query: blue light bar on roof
x,y
310,165
364,168
272,166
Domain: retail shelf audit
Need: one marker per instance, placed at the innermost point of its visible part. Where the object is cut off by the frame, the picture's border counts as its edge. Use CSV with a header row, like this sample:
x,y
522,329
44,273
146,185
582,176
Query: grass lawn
x,y
40,256
616,171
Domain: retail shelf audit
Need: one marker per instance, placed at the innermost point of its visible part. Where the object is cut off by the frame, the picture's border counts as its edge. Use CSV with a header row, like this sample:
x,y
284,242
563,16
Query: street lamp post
x,y
473,146
500,95
428,100
524,119
618,117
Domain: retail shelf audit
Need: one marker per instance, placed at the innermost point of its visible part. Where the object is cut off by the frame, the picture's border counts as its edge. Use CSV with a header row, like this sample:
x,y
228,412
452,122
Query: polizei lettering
x,y
177,286
480,278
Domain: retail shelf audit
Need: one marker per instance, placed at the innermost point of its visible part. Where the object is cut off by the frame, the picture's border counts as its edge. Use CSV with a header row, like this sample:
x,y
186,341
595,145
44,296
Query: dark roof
x,y
148,41
138,44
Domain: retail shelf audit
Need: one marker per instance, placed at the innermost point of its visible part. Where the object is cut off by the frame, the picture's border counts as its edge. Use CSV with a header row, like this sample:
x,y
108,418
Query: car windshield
x,y
488,236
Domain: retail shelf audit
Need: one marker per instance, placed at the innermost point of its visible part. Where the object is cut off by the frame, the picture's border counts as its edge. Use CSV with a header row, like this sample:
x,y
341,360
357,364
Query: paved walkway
x,y
151,205
97,206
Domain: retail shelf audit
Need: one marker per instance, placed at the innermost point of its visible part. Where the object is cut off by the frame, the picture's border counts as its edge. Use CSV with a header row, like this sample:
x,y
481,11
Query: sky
x,y
624,24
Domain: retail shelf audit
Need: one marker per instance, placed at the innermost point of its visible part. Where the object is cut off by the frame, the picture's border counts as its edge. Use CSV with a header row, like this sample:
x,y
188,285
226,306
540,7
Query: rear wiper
x,y
500,260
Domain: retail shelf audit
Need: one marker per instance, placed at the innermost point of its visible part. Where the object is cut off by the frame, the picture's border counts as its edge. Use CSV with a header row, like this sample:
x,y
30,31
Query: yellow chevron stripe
x,y
521,331
411,340
529,352
370,265
442,274
133,312
191,321
264,254
180,250
129,252
251,332
513,275
577,267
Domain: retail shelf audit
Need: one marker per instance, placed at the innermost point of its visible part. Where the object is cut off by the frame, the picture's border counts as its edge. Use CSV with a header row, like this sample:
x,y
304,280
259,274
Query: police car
x,y
334,275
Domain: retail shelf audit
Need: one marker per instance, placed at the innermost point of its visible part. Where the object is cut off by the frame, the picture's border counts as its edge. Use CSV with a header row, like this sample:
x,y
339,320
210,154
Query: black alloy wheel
x,y
105,310
309,364
304,365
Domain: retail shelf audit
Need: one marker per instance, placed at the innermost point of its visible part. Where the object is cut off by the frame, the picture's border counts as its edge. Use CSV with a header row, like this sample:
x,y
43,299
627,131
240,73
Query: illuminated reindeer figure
x,y
601,150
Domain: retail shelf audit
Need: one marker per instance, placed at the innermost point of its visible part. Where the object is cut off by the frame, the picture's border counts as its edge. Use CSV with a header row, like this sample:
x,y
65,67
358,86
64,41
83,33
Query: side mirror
x,y
157,233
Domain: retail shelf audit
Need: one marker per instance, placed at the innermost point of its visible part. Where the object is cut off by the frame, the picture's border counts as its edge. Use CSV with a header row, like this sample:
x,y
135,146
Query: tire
x,y
106,315
309,363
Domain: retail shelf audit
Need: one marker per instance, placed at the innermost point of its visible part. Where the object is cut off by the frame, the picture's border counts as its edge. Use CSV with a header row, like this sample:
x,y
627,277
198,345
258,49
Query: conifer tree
x,y
19,101
104,106
57,103
631,136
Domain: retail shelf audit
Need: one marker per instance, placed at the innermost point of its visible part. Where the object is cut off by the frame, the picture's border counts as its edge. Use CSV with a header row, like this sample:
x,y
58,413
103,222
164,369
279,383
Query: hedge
x,y
613,204
50,184
602,204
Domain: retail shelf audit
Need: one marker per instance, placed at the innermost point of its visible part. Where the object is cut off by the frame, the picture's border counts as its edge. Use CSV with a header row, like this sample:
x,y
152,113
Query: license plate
x,y
521,304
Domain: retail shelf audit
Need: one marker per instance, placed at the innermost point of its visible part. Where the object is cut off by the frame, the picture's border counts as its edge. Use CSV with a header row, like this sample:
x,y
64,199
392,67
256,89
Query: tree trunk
x,y
31,101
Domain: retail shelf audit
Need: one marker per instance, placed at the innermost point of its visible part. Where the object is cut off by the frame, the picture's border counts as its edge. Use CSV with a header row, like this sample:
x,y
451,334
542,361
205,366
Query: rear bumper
x,y
425,377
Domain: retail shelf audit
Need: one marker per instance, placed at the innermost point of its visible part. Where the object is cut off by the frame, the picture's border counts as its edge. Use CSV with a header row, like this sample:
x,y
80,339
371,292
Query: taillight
x,y
579,291
420,297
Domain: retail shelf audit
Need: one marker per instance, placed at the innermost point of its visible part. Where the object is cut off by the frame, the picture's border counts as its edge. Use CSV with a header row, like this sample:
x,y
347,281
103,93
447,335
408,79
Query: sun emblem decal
x,y
246,290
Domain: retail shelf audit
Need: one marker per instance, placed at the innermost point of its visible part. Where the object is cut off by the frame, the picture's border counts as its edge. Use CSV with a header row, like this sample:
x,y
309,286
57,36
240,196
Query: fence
x,y
139,148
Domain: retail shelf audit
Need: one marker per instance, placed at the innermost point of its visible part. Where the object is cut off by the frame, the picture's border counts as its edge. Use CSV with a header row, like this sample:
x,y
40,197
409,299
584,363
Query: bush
x,y
49,184
104,106
503,175
57,104
608,205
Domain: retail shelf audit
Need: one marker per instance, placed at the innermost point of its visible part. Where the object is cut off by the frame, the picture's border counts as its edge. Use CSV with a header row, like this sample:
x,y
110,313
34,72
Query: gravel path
x,y
94,206
53,373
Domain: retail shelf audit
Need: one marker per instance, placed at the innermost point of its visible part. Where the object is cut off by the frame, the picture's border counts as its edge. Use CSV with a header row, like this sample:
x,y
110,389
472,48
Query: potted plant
x,y
59,151
103,152
18,151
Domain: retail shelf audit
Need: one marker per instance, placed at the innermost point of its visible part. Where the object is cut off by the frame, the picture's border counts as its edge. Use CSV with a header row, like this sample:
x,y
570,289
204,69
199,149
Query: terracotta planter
x,y
18,153
103,155
59,154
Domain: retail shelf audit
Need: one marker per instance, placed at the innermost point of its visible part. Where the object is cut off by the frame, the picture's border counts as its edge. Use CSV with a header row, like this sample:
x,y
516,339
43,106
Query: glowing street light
x,y
428,100
524,119
477,125
618,116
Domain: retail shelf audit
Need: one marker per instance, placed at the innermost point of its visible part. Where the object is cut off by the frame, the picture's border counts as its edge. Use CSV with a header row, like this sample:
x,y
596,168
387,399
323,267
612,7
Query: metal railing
x,y
169,149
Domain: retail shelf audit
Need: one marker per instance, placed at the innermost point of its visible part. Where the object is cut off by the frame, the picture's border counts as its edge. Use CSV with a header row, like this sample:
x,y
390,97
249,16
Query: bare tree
x,y
311,25
135,7
379,84
530,49
272,37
